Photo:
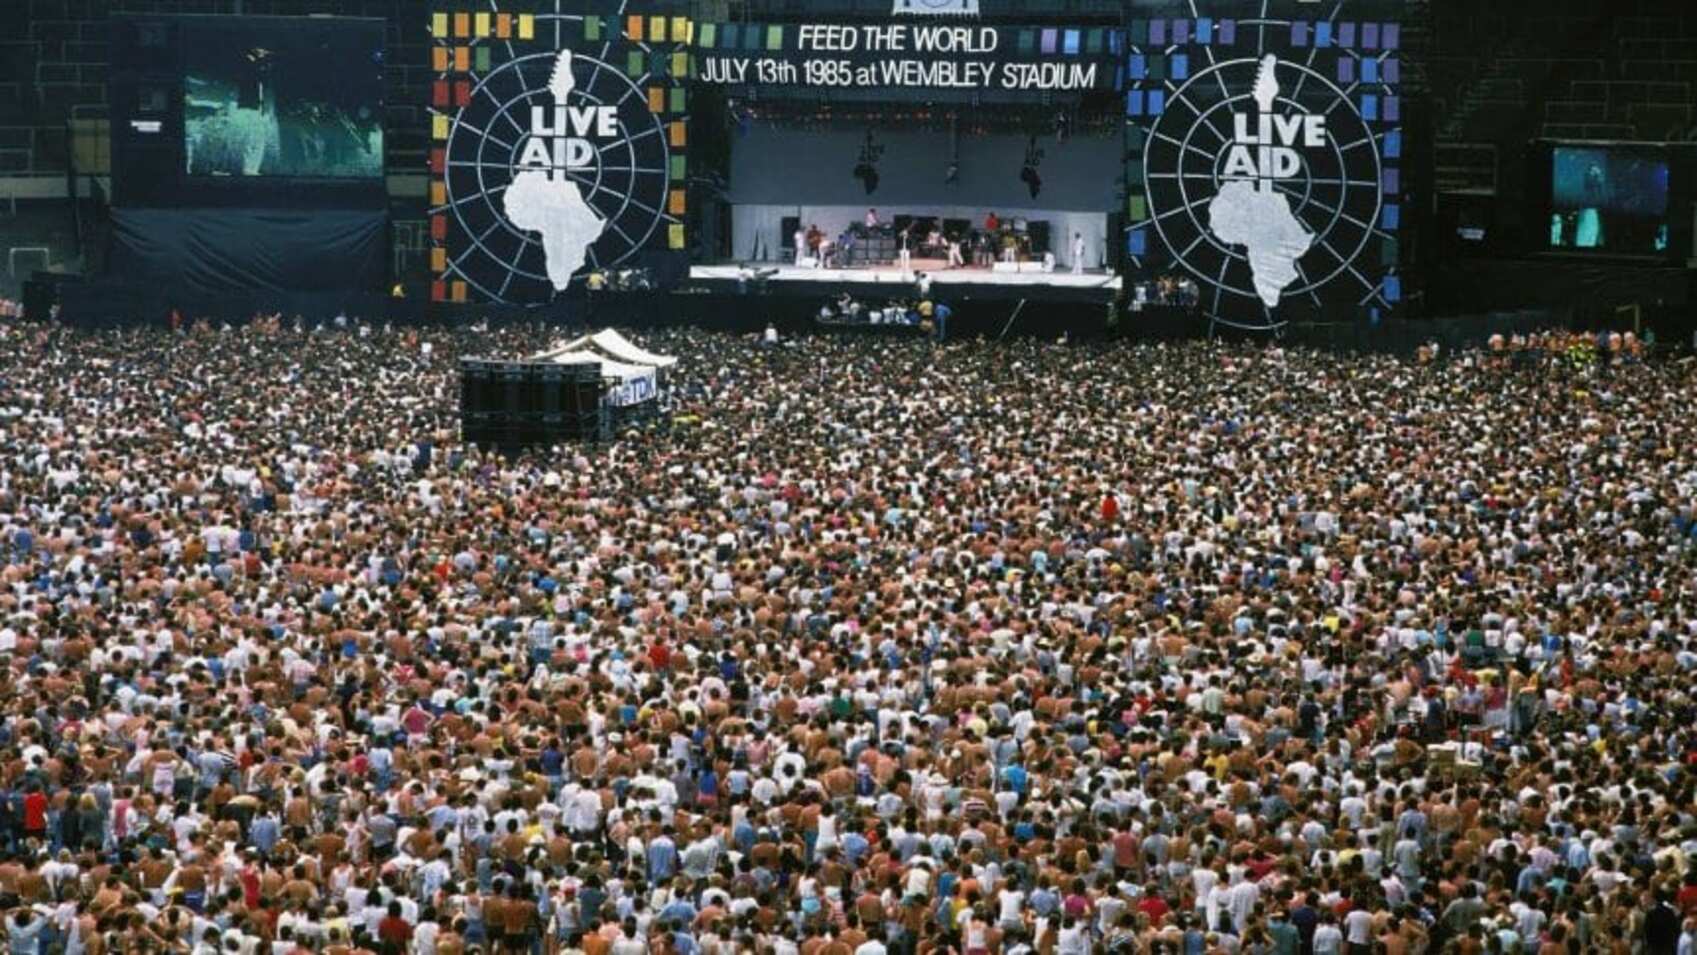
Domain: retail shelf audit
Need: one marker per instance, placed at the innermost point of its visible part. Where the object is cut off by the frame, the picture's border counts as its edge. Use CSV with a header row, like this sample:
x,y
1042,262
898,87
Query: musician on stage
x,y
815,241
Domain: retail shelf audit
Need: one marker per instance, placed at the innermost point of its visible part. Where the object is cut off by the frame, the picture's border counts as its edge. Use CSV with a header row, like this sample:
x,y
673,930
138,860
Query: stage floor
x,y
1028,277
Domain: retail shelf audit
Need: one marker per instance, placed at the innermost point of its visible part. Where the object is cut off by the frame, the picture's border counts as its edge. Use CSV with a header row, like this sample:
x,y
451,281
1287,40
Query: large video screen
x,y
304,102
1609,198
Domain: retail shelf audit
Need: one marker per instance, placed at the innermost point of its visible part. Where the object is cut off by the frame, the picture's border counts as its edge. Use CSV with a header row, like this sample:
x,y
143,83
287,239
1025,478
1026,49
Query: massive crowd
x,y
862,647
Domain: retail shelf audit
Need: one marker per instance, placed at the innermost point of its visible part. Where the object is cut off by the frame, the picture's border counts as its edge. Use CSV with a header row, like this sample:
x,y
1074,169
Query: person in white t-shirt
x,y
1010,903
1358,928
1328,938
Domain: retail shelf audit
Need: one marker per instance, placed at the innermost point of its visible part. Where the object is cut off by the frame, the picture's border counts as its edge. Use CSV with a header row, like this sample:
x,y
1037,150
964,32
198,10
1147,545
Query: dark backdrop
x,y
232,250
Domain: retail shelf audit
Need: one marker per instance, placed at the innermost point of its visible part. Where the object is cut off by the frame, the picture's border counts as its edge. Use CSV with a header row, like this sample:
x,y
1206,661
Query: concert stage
x,y
875,284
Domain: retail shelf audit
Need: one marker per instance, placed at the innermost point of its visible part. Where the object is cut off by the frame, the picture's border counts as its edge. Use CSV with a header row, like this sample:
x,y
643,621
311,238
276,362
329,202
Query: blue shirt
x,y
264,833
679,910
25,940
589,902
553,761
1016,778
854,846
662,859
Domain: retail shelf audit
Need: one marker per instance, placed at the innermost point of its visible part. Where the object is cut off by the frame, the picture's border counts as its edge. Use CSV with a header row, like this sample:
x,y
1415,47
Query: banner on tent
x,y
633,391
932,56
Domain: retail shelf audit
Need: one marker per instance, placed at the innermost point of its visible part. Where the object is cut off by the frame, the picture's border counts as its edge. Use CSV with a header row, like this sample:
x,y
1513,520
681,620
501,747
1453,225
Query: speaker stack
x,y
510,405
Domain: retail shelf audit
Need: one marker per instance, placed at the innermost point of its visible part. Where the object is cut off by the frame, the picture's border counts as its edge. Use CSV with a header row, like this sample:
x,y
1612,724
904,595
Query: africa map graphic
x,y
529,195
552,207
1264,143
1255,216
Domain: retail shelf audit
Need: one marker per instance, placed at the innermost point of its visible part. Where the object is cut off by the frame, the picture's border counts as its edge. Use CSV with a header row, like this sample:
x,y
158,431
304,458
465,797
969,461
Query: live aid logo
x,y
561,138
1267,152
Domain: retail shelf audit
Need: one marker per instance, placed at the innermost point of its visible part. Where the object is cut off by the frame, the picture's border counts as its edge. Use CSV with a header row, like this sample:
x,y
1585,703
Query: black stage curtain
x,y
217,251
1569,282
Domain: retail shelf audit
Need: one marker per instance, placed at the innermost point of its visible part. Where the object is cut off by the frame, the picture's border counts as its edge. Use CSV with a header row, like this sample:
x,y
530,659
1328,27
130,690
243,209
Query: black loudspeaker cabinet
x,y
477,385
786,239
1039,236
552,379
1116,241
39,297
511,377
512,405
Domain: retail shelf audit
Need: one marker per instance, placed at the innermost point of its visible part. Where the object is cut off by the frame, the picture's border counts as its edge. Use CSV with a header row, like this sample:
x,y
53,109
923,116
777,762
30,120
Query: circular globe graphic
x,y
584,138
1264,181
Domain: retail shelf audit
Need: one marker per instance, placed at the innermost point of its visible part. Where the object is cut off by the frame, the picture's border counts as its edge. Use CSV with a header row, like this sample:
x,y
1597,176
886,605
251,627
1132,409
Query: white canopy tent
x,y
611,344
623,349
633,384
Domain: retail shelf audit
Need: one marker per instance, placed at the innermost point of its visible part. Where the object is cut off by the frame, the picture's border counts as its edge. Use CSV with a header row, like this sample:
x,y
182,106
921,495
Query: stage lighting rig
x,y
951,173
1028,173
866,170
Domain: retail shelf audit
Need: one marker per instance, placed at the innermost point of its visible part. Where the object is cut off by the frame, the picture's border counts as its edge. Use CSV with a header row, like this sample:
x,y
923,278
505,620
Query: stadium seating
x,y
1573,70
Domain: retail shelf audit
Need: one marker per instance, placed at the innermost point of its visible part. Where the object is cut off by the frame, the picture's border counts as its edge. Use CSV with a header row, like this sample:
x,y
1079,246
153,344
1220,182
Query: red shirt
x,y
35,811
1125,849
416,721
393,929
1155,907
1259,866
249,877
